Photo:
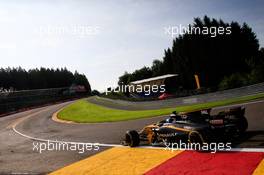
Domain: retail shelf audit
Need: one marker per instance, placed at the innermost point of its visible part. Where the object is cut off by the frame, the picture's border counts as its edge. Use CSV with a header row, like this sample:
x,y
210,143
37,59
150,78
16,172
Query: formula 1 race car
x,y
191,127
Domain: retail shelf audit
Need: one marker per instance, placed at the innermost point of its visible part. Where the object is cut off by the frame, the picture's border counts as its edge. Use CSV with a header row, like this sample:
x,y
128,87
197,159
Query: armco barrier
x,y
13,101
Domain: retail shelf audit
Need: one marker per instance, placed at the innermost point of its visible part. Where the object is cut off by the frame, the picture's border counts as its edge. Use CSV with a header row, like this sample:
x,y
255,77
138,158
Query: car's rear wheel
x,y
196,137
242,125
132,138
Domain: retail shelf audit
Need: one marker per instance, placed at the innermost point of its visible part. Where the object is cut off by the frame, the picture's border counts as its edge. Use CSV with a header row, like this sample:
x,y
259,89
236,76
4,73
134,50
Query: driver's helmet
x,y
172,115
175,116
171,118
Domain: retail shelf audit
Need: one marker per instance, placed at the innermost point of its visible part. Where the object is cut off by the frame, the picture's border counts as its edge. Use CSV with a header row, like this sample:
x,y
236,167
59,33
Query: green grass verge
x,y
83,111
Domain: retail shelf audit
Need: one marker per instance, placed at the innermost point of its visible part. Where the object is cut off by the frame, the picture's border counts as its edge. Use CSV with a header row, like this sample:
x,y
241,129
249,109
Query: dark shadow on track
x,y
251,139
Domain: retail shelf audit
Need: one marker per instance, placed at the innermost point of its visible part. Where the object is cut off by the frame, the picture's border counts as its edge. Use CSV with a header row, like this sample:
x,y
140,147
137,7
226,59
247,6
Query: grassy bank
x,y
85,112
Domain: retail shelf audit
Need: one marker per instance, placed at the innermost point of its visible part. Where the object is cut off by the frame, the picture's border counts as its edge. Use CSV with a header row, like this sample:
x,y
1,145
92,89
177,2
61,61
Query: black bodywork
x,y
197,126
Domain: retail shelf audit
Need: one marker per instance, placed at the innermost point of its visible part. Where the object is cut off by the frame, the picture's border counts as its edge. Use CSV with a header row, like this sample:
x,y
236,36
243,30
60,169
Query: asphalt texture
x,y
17,155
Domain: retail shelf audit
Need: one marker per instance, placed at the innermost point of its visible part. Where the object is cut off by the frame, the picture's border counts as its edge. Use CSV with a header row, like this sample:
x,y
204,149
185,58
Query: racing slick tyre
x,y
242,125
132,138
196,138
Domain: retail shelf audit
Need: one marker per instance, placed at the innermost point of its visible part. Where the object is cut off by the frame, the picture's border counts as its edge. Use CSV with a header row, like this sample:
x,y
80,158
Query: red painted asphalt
x,y
198,163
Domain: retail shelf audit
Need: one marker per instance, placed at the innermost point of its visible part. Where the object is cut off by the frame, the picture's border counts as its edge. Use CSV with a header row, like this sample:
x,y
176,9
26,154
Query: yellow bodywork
x,y
150,135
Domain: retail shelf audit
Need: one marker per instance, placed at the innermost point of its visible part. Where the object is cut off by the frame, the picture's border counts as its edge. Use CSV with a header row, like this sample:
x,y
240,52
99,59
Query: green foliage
x,y
20,79
256,75
139,74
80,79
233,81
85,112
212,58
157,68
95,92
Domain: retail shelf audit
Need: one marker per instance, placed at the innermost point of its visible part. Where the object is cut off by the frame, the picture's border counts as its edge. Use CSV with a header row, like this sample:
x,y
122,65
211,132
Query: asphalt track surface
x,y
16,150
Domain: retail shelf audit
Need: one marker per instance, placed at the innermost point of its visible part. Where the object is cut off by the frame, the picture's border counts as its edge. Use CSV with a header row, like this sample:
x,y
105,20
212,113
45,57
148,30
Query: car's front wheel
x,y
196,138
132,138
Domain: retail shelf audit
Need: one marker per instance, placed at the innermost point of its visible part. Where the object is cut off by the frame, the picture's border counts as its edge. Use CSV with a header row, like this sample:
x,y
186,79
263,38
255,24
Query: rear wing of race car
x,y
238,111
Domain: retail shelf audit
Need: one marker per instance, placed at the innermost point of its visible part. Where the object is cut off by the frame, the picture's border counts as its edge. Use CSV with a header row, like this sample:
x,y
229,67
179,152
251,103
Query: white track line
x,y
67,142
47,140
118,145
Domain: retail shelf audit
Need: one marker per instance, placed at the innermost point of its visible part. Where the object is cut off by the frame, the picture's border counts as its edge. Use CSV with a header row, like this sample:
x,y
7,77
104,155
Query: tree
x,y
80,79
125,79
211,55
95,92
157,68
20,79
139,74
